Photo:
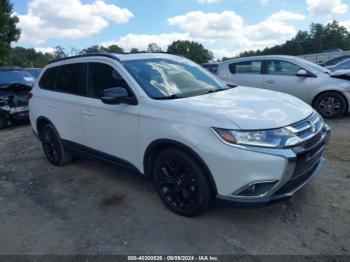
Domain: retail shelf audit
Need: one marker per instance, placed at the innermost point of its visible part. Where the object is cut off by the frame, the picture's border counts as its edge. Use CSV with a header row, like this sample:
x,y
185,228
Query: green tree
x,y
318,39
59,53
8,30
115,49
28,57
154,48
94,49
134,50
192,50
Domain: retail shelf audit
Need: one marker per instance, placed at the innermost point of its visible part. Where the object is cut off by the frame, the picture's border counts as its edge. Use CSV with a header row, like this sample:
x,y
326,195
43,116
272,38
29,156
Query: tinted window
x,y
48,79
249,67
69,79
214,69
101,77
282,68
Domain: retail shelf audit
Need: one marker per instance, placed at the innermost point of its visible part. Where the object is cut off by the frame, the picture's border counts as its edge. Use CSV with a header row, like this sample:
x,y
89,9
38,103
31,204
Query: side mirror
x,y
302,73
117,95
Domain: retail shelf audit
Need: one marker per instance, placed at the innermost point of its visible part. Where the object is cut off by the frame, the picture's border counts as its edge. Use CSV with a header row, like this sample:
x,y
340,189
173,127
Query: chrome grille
x,y
308,128
312,131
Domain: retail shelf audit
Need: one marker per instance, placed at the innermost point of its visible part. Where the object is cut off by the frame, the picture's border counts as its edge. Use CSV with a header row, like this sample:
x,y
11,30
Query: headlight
x,y
261,138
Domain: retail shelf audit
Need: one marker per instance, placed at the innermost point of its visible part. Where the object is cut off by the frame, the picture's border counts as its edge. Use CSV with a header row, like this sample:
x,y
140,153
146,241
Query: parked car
x,y
335,61
167,118
34,71
329,94
211,67
344,65
15,85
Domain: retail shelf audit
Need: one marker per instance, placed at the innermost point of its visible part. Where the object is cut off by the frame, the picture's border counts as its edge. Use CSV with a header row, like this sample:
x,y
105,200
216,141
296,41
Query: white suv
x,y
170,119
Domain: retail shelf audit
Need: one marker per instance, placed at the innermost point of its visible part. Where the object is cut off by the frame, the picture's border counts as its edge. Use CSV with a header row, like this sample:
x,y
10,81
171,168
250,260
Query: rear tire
x,y
53,147
181,183
330,105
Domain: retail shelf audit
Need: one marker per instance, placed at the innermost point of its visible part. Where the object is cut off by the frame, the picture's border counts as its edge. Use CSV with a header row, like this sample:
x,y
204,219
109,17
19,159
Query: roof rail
x,y
109,55
85,55
145,52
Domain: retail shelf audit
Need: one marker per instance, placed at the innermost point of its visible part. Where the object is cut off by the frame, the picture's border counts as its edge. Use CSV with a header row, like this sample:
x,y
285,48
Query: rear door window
x,y
247,67
69,79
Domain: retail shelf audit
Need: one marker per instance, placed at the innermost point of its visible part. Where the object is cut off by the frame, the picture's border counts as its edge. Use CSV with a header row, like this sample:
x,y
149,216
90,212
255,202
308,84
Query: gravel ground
x,y
90,207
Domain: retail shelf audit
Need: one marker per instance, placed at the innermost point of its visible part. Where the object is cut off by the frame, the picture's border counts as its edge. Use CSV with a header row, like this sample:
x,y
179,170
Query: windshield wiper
x,y
230,86
174,96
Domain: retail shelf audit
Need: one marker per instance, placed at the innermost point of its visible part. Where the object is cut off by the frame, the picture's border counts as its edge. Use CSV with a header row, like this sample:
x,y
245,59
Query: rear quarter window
x,y
48,79
247,67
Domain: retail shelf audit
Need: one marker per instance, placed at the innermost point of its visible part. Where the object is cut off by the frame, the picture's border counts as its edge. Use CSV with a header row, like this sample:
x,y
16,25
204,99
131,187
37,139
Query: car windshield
x,y
167,78
344,64
314,66
20,76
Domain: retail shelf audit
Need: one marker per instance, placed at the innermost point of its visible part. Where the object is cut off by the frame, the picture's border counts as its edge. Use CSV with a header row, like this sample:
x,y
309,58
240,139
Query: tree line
x,y
29,57
317,39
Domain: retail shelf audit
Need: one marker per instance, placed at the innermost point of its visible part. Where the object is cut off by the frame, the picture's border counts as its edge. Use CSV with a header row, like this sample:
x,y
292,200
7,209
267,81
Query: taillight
x,y
29,96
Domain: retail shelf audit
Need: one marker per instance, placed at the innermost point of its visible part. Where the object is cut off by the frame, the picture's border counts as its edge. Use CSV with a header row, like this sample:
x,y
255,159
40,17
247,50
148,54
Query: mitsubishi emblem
x,y
312,127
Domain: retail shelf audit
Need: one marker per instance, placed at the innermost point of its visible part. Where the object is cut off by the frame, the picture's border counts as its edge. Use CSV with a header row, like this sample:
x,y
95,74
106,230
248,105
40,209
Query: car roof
x,y
121,57
262,57
10,68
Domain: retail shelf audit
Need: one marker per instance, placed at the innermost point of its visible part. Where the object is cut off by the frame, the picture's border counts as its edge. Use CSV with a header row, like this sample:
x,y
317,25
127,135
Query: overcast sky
x,y
226,27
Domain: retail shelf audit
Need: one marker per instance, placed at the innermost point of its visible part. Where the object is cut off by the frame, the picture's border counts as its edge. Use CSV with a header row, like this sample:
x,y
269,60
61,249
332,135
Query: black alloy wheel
x,y
53,147
181,183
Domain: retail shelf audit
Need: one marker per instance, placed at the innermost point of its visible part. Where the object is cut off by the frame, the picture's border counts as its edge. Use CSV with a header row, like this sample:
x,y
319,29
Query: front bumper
x,y
278,196
302,165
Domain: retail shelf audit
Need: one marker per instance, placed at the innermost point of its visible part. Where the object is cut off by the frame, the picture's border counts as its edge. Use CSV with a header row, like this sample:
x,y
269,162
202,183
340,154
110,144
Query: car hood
x,y
250,108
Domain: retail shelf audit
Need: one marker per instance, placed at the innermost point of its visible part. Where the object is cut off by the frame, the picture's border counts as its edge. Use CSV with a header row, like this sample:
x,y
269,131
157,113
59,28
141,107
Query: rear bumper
x,y
15,113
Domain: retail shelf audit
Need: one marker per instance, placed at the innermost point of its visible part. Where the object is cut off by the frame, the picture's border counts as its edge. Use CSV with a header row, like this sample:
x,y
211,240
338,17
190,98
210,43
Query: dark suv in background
x,y
15,85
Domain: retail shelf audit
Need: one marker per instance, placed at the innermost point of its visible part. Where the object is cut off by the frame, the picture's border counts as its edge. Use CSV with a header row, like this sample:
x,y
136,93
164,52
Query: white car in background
x,y
328,93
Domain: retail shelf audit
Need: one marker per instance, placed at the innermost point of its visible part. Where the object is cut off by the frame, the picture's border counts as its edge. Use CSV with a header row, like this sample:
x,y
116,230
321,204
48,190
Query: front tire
x,y
53,147
181,183
330,105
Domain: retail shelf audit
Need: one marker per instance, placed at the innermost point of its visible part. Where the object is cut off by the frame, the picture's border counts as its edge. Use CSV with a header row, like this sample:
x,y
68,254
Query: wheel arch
x,y
160,145
331,91
41,121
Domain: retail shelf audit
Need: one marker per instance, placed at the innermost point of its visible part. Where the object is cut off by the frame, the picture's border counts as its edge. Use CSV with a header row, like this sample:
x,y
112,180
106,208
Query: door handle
x,y
52,106
87,113
270,81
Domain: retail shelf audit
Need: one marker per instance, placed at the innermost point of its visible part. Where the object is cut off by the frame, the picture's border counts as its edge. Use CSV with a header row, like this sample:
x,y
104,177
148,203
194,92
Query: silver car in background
x,y
328,93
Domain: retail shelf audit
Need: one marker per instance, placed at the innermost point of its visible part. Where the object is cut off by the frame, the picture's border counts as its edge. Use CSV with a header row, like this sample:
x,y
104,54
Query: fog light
x,y
256,189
